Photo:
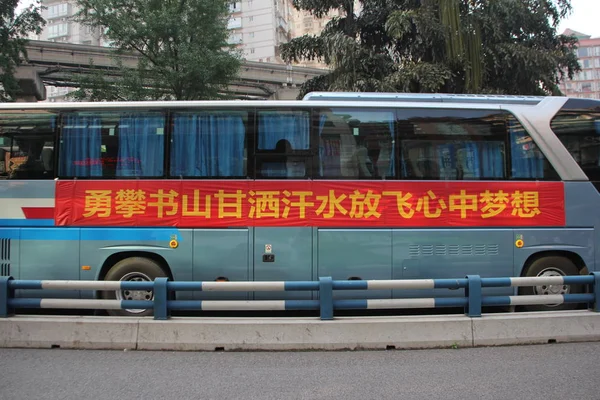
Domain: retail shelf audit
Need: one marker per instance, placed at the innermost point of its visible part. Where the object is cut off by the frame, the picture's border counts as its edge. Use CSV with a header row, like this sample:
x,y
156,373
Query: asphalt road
x,y
553,371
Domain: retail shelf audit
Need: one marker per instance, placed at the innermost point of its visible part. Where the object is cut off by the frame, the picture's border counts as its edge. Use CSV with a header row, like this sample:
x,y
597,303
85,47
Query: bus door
x,y
282,167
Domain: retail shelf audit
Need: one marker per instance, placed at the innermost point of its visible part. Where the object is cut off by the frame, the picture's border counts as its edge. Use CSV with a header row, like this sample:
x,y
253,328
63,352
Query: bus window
x,y
527,160
577,125
209,144
452,144
283,144
27,144
356,144
440,144
112,144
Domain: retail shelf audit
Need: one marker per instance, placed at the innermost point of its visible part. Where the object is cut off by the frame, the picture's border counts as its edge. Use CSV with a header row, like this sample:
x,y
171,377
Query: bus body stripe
x,y
25,222
89,234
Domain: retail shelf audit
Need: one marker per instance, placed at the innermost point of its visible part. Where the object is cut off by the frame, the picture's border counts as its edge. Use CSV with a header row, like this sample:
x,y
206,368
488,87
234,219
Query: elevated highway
x,y
55,64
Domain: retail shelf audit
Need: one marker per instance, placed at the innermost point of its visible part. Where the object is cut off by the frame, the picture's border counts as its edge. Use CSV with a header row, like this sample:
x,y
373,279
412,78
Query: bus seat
x,y
48,159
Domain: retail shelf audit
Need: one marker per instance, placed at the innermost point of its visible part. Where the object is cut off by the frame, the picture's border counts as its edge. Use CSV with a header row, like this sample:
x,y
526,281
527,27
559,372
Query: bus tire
x,y
132,269
551,266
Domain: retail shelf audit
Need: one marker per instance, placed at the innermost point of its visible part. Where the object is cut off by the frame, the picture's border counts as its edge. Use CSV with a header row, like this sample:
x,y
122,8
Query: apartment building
x,y
61,28
258,28
305,23
586,83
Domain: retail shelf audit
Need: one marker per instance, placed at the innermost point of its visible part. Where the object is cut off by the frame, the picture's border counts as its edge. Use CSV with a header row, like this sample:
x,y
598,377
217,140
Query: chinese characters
x,y
314,204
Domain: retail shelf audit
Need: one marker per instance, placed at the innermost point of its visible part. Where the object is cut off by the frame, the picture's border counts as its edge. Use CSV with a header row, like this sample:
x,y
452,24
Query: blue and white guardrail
x,y
326,304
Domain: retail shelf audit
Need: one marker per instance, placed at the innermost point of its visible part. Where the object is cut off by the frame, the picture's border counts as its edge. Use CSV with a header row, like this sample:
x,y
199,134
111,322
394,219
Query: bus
x,y
355,186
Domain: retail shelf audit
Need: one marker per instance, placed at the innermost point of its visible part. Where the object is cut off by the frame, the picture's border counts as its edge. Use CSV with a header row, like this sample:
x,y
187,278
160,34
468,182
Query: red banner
x,y
308,203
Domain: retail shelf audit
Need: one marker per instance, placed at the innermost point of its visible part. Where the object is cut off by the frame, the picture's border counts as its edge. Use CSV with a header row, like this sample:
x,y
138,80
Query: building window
x,y
234,23
58,30
58,10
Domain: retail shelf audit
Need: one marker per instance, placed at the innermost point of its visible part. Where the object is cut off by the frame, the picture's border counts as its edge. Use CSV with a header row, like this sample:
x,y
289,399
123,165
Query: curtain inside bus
x,y
141,145
80,146
276,126
208,145
527,160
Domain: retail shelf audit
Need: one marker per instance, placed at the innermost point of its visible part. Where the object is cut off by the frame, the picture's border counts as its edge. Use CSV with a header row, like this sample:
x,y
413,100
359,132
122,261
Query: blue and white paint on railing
x,y
161,287
67,304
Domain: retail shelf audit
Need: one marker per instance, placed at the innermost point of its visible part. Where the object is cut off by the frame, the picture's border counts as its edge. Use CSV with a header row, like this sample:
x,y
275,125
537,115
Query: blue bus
x,y
358,186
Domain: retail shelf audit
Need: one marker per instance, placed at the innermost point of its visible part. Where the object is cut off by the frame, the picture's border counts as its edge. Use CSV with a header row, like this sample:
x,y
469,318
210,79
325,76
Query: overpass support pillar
x,y
32,87
285,93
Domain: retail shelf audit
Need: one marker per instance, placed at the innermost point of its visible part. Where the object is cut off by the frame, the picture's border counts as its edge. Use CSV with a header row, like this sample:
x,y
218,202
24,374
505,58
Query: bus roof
x,y
315,99
423,97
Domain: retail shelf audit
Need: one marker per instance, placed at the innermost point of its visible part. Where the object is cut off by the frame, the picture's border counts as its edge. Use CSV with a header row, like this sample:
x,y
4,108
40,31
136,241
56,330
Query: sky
x,y
584,17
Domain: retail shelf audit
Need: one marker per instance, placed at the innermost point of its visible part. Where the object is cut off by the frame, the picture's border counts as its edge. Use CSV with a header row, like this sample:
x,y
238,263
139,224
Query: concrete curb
x,y
346,333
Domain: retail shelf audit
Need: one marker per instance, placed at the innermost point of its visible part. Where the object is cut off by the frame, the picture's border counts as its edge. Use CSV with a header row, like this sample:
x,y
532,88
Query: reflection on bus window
x,y
283,144
356,144
292,126
112,144
577,125
27,145
467,145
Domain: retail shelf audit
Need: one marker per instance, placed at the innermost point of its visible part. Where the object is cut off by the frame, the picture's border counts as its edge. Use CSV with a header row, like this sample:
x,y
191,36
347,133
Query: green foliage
x,y
13,32
448,46
184,54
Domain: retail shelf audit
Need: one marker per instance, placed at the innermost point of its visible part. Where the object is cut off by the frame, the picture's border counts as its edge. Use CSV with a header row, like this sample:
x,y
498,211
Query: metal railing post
x,y
161,296
5,294
473,293
595,306
326,297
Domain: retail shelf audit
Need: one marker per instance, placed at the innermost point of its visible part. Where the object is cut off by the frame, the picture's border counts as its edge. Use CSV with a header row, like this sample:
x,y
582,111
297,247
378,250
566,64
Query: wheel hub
x,y
135,294
551,289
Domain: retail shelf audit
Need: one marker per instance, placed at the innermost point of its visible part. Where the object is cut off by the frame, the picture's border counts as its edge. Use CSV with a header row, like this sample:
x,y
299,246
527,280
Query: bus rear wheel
x,y
133,269
551,266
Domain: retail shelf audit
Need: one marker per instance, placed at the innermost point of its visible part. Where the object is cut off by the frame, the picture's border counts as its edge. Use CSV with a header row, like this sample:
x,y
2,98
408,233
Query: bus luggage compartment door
x,y
356,254
283,254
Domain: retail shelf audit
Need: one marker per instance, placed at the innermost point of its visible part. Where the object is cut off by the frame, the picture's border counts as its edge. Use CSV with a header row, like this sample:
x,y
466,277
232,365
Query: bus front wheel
x,y
133,269
551,266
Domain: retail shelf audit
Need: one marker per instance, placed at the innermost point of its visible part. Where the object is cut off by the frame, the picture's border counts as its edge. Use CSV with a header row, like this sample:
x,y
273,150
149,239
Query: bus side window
x,y
112,144
577,125
27,145
283,145
209,144
356,144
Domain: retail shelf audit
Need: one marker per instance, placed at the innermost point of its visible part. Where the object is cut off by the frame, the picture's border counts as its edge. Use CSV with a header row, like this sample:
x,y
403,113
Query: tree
x,y
448,46
182,47
13,32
